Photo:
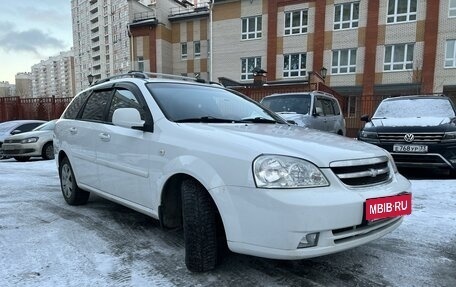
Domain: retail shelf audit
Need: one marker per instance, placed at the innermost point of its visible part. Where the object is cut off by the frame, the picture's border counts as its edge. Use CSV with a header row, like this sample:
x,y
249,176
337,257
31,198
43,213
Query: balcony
x,y
95,45
180,13
95,36
94,18
93,8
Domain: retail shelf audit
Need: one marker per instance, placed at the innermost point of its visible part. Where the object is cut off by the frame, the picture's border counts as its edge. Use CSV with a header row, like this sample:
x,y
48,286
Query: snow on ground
x,y
45,242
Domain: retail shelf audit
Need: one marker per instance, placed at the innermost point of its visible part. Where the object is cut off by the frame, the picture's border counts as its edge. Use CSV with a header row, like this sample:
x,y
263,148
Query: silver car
x,y
37,142
16,127
316,110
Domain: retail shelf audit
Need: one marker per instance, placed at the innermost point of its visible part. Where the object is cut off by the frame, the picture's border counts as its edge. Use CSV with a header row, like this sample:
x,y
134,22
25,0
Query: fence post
x,y
18,108
2,109
53,107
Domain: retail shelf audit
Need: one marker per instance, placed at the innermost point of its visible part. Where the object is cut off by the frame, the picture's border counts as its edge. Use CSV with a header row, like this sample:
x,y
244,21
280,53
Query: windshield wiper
x,y
258,120
206,119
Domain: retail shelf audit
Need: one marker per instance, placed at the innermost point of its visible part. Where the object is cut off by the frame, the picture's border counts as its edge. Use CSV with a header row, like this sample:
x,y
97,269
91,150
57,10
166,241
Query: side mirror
x,y
127,118
318,111
365,118
15,132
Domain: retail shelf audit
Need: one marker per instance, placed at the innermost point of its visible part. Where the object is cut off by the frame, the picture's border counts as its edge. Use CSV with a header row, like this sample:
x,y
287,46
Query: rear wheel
x,y
200,227
48,151
72,194
22,158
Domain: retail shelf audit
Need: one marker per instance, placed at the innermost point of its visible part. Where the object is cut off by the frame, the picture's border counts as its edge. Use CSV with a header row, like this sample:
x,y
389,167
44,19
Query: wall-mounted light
x,y
323,72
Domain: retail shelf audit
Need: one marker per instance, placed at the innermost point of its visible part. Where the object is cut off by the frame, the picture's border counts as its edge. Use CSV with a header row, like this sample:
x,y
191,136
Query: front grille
x,y
348,234
362,172
12,141
418,137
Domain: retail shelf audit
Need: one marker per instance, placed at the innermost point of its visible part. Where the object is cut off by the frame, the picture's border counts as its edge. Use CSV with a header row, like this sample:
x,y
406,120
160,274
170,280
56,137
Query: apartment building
x,y
375,47
6,89
24,87
54,76
101,37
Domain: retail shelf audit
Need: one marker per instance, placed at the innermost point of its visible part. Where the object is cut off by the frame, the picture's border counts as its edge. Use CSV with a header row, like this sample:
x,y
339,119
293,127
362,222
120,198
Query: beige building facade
x,y
24,85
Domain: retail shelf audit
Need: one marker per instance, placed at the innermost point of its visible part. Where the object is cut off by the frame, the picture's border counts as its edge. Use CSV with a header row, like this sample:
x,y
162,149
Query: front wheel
x,y
72,194
200,227
48,151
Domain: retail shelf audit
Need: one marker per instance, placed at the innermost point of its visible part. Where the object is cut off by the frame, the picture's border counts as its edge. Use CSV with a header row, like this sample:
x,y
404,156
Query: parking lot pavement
x,y
45,242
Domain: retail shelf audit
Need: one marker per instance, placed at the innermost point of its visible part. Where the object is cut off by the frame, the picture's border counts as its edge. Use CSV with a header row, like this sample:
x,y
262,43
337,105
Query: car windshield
x,y
195,103
49,126
413,107
6,127
299,104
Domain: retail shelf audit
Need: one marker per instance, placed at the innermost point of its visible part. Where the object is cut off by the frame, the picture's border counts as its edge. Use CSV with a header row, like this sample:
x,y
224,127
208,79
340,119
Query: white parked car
x,y
15,127
35,143
316,110
225,169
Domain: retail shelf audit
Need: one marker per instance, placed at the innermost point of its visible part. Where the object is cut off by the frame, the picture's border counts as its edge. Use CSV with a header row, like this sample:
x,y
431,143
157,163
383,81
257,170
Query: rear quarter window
x,y
75,106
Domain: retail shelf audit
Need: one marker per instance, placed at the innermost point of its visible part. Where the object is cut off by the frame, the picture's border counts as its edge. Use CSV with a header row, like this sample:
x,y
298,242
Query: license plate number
x,y
391,206
410,148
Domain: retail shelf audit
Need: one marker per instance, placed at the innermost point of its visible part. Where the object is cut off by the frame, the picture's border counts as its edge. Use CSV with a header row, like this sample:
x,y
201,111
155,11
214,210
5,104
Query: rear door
x,y
318,119
82,136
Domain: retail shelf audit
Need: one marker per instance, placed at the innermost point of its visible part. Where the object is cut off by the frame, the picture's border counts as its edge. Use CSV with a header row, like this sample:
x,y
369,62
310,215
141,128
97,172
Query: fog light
x,y
311,239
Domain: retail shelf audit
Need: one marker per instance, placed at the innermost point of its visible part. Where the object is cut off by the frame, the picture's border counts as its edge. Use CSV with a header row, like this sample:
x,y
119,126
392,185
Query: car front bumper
x,y
29,149
271,223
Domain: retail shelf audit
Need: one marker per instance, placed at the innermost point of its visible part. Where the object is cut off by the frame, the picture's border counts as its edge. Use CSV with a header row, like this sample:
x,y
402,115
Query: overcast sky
x,y
31,31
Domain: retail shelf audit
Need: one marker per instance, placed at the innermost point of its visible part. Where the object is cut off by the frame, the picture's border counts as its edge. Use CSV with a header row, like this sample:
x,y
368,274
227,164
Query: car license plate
x,y
410,148
390,206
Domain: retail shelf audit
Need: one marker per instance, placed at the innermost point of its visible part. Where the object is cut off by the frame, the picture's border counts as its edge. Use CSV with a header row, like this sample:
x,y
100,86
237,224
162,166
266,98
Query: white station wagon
x,y
230,173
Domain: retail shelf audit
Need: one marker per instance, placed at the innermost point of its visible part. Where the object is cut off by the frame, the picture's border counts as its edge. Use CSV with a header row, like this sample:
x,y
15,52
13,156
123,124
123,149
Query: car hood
x,y
410,122
319,147
41,134
300,119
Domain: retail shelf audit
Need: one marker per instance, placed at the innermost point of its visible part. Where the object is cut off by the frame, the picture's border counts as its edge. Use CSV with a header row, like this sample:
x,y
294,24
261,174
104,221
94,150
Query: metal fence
x,y
16,108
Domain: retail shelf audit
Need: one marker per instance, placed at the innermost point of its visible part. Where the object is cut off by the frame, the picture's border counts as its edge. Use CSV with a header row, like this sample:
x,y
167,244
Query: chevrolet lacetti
x,y
225,169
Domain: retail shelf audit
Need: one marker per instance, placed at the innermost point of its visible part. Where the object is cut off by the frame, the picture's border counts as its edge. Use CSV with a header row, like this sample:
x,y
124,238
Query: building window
x,y
183,50
401,11
294,65
343,61
398,57
251,28
247,66
452,8
140,60
197,49
296,22
450,54
346,16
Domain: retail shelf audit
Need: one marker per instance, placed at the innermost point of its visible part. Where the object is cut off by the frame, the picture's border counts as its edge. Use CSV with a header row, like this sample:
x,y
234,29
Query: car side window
x,y
75,106
124,98
335,107
96,104
328,108
27,127
319,106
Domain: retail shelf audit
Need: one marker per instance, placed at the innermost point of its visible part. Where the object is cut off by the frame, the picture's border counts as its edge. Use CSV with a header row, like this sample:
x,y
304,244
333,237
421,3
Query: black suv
x,y
419,131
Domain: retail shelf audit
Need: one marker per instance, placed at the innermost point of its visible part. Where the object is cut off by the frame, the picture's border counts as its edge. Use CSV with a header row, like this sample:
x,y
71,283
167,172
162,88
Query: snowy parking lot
x,y
45,242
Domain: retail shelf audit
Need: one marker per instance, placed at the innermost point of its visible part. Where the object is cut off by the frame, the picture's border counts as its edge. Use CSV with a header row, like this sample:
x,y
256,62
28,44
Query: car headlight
x,y
276,171
391,161
449,137
29,140
370,136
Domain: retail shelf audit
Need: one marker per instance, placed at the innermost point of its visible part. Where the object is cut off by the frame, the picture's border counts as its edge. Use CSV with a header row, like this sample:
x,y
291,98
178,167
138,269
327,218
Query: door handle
x,y
73,130
105,137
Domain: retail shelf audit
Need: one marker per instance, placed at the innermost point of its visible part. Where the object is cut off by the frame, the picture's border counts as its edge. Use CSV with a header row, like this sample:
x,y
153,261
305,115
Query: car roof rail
x,y
323,93
148,75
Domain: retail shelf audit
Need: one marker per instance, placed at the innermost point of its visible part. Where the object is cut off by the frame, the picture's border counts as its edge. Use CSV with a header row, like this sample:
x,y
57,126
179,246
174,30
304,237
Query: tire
x,y
22,158
72,194
48,151
200,227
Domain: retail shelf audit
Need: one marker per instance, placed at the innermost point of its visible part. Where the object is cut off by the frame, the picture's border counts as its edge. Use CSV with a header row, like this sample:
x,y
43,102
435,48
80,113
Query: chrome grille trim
x,y
362,172
419,137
